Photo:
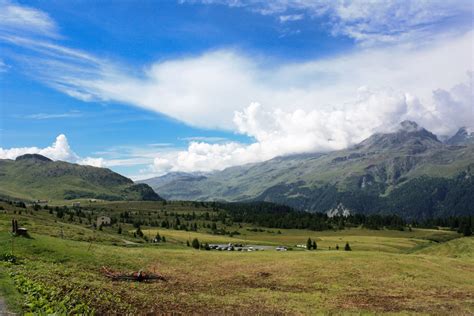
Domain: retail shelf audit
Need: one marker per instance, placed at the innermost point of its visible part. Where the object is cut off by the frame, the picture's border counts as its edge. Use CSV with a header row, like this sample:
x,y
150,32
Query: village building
x,y
103,220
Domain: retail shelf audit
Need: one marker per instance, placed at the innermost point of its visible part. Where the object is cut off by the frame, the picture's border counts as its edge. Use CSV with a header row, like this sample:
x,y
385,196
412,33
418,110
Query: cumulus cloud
x,y
59,150
279,132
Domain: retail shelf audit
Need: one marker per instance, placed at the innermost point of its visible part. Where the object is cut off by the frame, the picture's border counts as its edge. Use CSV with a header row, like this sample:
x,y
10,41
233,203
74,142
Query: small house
x,y
103,220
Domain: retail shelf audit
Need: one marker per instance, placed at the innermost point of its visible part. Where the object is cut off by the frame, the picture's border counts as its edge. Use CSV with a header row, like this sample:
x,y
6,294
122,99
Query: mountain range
x,y
408,172
35,177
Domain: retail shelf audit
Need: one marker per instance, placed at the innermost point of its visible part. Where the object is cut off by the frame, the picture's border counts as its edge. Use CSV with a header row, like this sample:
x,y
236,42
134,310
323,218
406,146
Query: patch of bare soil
x,y
445,302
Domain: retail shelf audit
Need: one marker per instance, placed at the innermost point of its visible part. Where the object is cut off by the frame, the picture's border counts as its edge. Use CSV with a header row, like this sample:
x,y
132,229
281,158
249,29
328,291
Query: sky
x,y
150,87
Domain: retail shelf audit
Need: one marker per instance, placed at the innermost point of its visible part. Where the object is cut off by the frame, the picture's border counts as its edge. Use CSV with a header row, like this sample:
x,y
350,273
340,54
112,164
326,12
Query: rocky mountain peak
x,y
409,135
409,126
463,136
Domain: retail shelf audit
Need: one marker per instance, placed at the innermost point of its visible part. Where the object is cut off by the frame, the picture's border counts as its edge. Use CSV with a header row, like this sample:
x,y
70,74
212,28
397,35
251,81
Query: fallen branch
x,y
139,276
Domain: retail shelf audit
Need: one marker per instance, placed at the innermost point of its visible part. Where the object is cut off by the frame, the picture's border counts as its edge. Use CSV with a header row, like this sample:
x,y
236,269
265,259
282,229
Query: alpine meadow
x,y
236,157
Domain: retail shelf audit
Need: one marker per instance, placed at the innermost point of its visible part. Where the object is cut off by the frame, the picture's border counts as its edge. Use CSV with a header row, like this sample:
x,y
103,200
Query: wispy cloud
x,y
368,22
160,145
47,116
19,18
3,67
208,139
290,18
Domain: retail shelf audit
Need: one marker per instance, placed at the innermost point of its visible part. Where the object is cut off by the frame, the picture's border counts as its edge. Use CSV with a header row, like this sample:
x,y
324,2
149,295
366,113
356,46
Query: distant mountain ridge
x,y
464,136
35,177
362,178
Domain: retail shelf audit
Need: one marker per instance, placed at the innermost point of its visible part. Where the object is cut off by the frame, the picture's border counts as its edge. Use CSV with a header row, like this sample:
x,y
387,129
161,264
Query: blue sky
x,y
148,87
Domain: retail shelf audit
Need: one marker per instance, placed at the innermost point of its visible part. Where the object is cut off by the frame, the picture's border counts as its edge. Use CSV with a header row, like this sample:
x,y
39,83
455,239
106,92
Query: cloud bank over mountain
x,y
409,64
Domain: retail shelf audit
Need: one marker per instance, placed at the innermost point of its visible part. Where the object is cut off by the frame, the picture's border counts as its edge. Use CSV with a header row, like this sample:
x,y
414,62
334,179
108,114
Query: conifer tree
x,y
315,246
309,244
347,247
195,243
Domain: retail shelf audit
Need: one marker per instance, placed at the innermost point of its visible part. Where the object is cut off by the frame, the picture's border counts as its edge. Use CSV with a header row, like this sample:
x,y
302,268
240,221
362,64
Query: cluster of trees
x,y
139,233
266,214
462,224
311,244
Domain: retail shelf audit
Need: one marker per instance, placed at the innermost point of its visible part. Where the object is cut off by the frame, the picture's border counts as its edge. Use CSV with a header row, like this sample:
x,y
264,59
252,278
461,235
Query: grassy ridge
x,y
36,177
458,248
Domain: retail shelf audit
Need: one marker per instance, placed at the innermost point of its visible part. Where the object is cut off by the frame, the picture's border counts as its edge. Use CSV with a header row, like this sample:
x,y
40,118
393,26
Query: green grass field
x,y
400,272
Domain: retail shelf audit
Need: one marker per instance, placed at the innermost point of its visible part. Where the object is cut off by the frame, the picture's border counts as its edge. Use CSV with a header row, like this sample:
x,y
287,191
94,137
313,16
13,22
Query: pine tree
x,y
467,231
315,246
158,237
119,231
309,244
347,247
195,243
163,239
187,243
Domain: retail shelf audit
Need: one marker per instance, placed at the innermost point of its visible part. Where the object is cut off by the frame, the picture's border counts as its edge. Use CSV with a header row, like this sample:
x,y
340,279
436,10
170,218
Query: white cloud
x,y
279,132
367,21
47,116
205,90
208,139
290,17
19,18
59,150
3,66
95,162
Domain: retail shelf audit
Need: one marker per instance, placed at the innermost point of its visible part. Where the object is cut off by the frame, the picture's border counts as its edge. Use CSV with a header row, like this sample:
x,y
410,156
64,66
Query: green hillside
x,y
361,178
34,177
457,248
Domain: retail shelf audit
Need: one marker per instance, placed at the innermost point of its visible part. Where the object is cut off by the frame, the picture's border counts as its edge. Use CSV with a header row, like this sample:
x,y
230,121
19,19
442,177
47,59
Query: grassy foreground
x,y
387,271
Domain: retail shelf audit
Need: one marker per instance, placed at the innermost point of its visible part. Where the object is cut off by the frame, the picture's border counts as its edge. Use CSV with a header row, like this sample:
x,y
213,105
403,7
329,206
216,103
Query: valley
x,y
58,266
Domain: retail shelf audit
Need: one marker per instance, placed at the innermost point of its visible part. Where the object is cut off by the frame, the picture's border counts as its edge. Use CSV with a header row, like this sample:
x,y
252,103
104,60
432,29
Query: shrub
x,y
8,257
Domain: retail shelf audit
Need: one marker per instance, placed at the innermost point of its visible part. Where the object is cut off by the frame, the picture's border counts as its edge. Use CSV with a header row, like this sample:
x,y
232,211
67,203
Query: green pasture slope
x,y
401,272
